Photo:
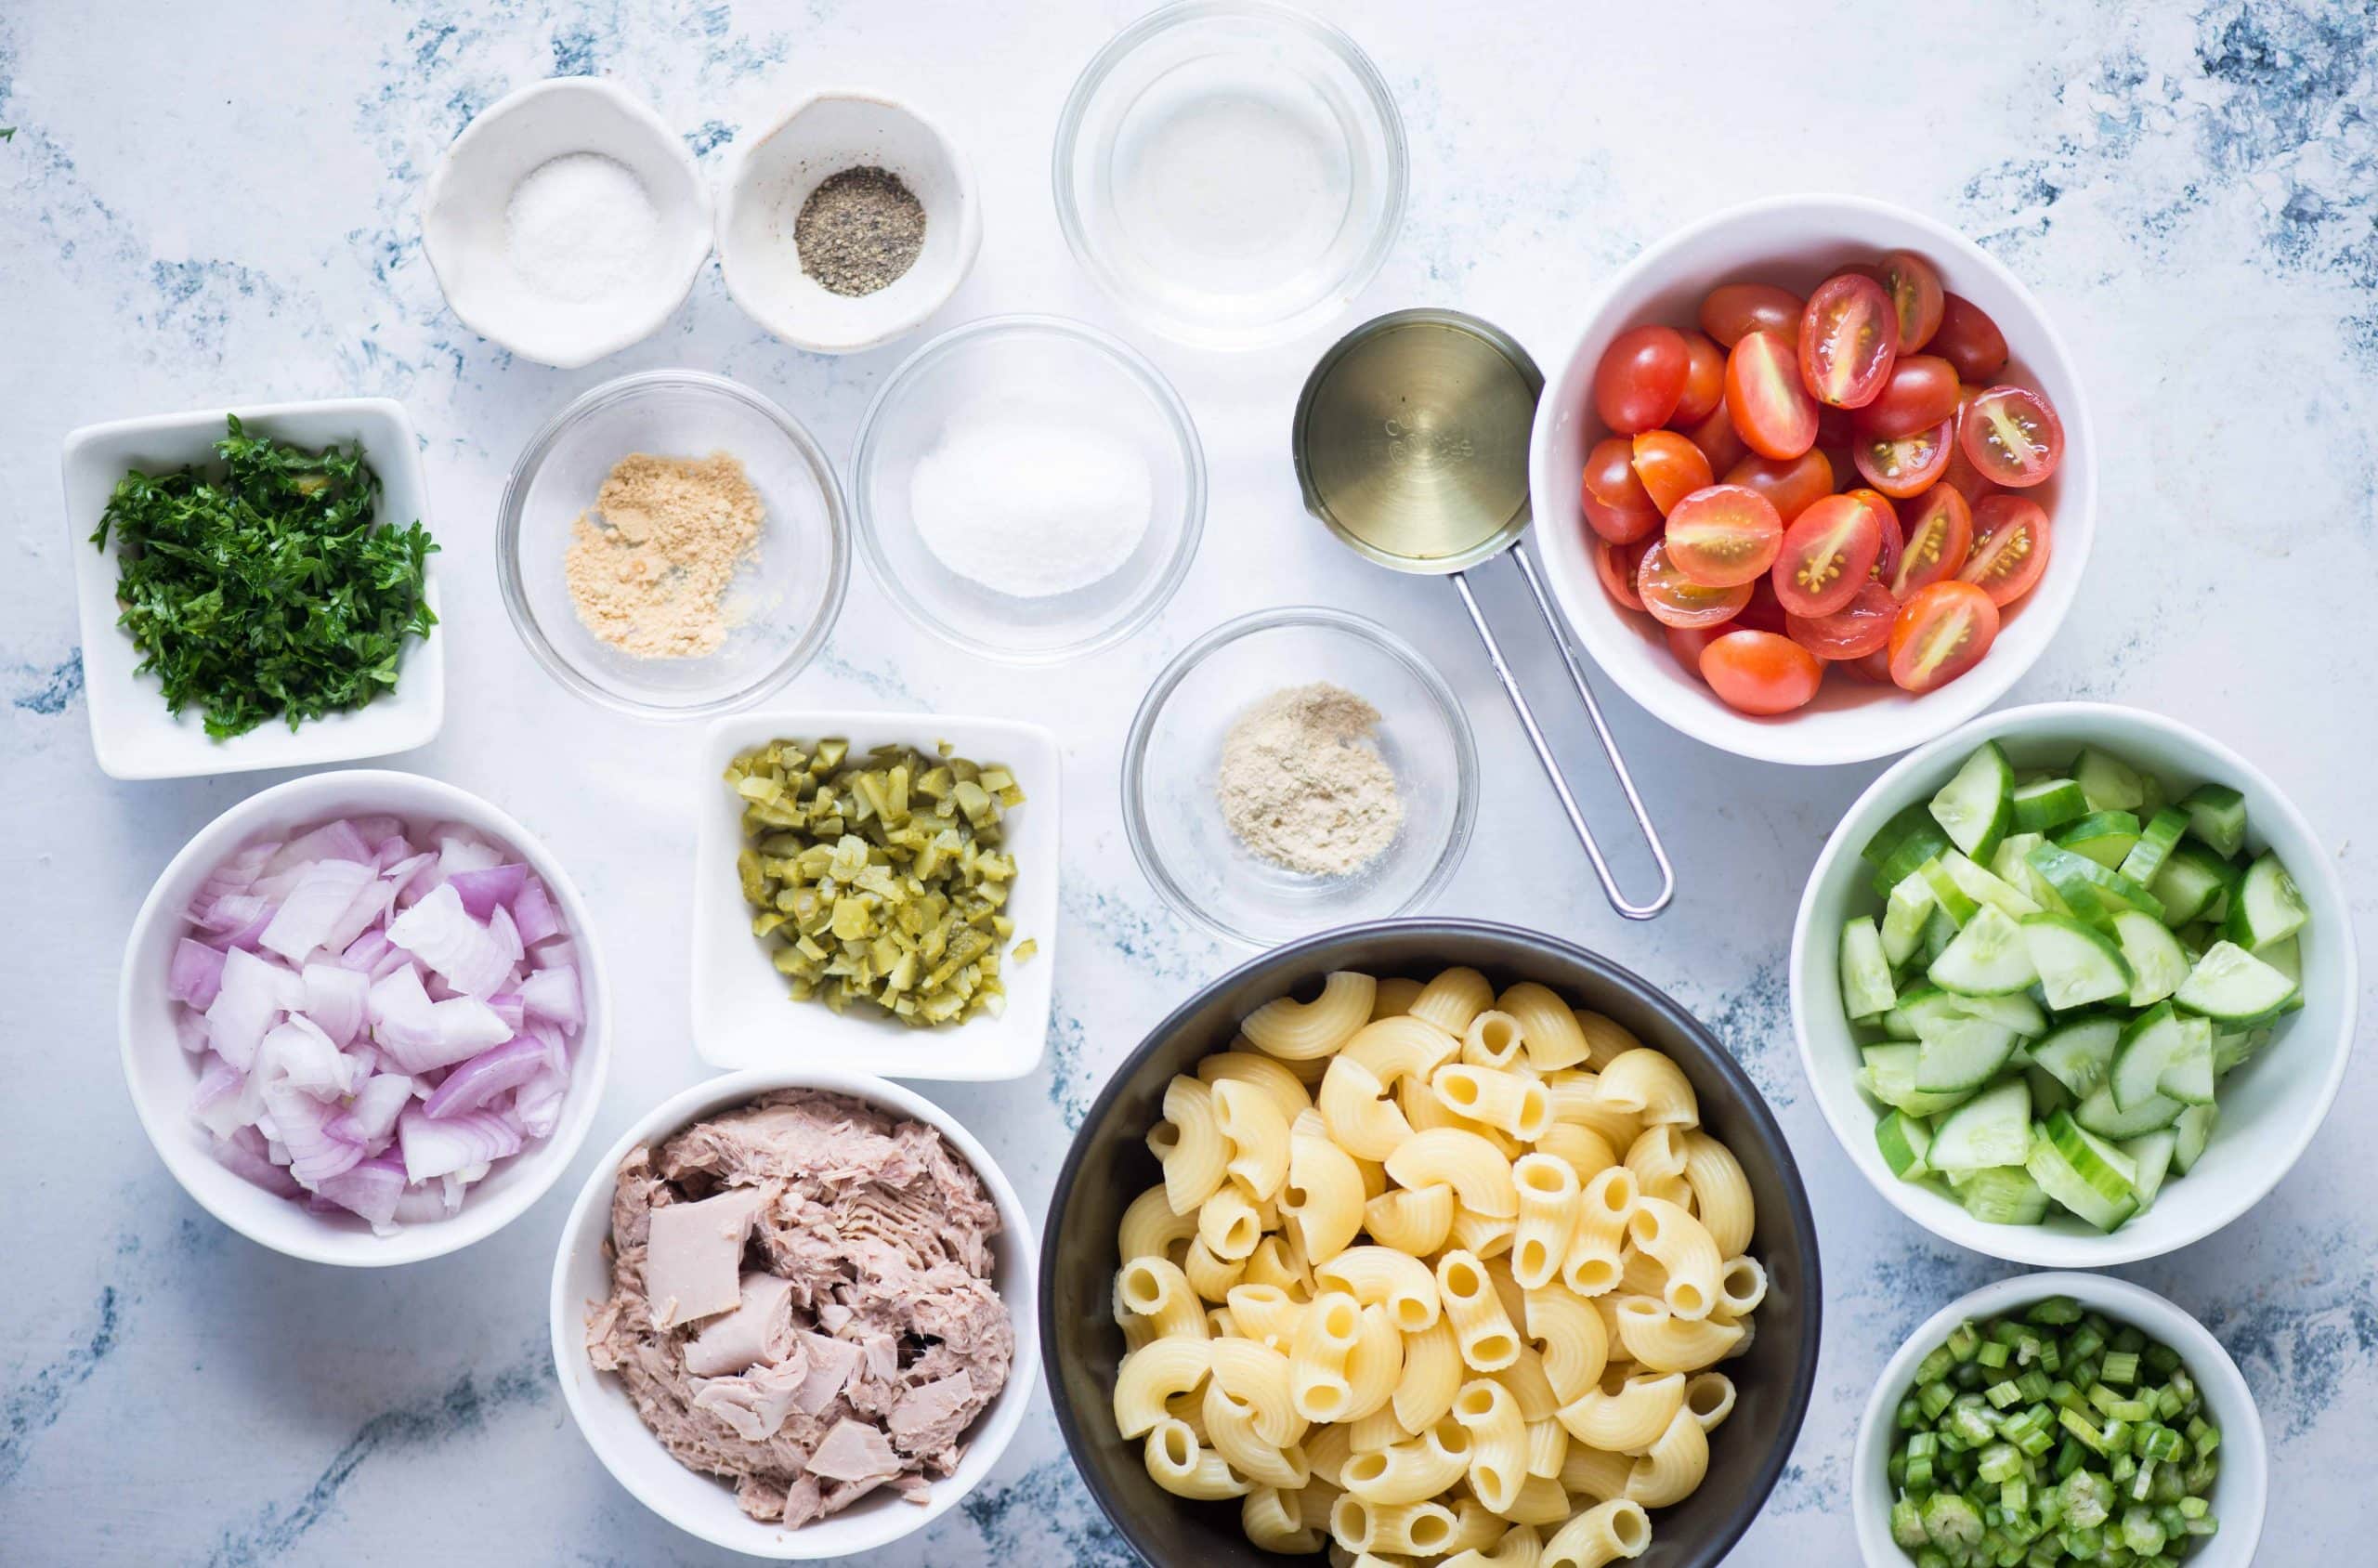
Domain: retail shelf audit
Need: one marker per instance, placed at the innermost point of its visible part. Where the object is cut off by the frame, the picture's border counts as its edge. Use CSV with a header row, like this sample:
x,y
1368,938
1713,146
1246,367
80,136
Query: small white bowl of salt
x,y
567,222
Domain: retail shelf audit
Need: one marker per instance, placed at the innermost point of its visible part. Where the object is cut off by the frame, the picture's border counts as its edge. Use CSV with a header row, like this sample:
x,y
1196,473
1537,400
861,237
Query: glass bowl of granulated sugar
x,y
1294,770
673,545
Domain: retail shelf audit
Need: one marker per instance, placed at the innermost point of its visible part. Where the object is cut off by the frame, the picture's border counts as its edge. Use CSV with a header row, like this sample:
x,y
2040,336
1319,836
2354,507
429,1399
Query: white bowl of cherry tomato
x,y
1816,483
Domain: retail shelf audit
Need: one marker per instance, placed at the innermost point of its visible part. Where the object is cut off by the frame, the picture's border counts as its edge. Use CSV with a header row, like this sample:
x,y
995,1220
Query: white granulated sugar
x,y
581,227
1031,506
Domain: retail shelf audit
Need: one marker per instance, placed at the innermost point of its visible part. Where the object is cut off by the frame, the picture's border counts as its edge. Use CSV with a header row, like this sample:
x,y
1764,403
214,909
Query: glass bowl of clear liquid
x,y
1232,171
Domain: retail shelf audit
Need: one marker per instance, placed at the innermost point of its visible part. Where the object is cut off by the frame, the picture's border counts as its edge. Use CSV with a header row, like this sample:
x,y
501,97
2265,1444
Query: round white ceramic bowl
x,y
703,1505
823,135
2240,1494
464,212
163,1076
1797,241
2269,1108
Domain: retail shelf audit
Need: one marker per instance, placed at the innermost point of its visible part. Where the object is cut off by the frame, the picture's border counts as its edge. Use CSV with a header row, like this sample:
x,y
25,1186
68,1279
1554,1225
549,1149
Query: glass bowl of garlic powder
x,y
673,545
1294,770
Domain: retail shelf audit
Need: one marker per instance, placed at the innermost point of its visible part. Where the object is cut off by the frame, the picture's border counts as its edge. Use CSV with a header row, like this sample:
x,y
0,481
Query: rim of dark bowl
x,y
1762,1118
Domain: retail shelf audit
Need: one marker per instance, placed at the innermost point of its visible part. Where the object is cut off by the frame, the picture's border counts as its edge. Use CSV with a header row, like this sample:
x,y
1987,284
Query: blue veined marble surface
x,y
209,205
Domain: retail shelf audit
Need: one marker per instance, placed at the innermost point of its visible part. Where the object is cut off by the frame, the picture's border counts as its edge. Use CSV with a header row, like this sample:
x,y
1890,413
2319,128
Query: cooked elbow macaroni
x,y
1435,1272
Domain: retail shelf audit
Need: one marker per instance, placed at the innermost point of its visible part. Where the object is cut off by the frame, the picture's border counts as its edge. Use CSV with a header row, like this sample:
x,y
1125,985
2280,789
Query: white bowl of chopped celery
x,y
765,999
2075,985
2229,1443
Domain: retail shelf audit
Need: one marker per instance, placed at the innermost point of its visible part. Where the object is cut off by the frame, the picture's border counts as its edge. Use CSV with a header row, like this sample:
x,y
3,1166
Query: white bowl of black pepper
x,y
848,222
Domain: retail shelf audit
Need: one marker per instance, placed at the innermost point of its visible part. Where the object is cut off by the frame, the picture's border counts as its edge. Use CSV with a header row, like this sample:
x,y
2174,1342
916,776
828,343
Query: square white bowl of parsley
x,y
256,588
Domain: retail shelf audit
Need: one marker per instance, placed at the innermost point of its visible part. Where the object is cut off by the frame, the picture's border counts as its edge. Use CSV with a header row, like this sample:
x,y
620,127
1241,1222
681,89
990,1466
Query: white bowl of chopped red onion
x,y
847,1184
363,1018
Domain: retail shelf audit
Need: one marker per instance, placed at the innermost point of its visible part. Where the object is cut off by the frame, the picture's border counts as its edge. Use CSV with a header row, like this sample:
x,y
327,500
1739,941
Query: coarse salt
x,y
581,227
1031,507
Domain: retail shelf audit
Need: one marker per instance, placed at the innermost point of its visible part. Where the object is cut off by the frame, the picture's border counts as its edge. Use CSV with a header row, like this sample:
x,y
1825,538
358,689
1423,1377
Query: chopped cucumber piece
x,y
2108,783
2048,802
1952,899
2047,1092
1906,842
1984,888
1889,1075
2286,957
1989,958
1958,1055
2190,883
2217,816
1903,1139
2002,1194
2099,1113
2077,964
2078,1053
1866,990
2090,891
1992,1128
2190,1079
2156,842
1923,1007
1976,807
2011,867
2151,1154
1939,930
2162,1053
2233,1051
1903,914
2191,1134
2083,1172
2267,906
2231,985
2157,964
2104,836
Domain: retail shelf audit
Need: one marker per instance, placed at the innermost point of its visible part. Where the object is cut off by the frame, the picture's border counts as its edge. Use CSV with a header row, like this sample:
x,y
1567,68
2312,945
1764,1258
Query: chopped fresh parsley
x,y
266,591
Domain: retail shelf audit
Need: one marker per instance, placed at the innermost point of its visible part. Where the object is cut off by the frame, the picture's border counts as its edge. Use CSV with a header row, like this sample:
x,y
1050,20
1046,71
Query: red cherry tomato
x,y
1835,432
1760,673
2010,547
1617,505
1705,381
1772,410
1791,485
1722,535
1922,392
1901,466
1916,298
1874,669
1675,600
1616,565
1969,339
1940,634
1828,555
1894,543
1848,336
1940,533
1765,612
1641,379
1734,311
1686,643
1669,468
2013,435
1959,471
1860,627
1716,436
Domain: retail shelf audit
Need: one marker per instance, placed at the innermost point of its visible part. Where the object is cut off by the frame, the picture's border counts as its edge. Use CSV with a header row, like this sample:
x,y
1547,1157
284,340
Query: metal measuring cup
x,y
1411,443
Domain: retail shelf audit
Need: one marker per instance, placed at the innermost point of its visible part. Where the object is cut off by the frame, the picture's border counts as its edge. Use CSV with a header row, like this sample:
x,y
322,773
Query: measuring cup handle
x,y
1618,900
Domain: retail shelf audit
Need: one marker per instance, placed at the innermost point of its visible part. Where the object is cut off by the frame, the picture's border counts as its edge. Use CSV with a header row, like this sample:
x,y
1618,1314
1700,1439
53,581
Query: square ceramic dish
x,y
743,1016
131,732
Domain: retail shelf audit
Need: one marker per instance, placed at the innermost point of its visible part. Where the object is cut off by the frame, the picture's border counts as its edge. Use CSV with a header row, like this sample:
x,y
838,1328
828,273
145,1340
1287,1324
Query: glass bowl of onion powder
x,y
1028,489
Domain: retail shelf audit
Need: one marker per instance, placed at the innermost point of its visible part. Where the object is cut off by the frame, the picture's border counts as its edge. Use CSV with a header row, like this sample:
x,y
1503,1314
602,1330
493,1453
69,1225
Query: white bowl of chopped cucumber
x,y
2074,984
2070,1414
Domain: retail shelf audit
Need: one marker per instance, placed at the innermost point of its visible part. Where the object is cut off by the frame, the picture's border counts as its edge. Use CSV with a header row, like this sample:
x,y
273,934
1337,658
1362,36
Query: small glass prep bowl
x,y
788,592
1171,763
1234,171
1009,367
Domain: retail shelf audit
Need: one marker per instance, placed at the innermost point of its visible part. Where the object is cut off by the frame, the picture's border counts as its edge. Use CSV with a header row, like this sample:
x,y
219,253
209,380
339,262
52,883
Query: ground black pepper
x,y
859,231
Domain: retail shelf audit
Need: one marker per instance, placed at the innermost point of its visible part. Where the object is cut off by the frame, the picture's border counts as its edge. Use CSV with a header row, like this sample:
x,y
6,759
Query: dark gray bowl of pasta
x,y
1303,1424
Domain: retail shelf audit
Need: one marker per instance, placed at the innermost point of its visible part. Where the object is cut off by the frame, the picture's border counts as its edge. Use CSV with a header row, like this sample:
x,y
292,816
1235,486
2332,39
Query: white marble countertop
x,y
203,205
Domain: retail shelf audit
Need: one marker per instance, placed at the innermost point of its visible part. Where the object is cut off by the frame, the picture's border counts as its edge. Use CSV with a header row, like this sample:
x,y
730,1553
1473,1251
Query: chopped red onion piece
x,y
538,1104
508,1007
553,993
196,974
334,1000
190,1030
251,998
311,912
235,875
371,1188
237,919
300,1055
251,1165
331,840
371,1114
451,1144
481,892
299,1124
532,913
490,1073
555,951
217,1079
441,934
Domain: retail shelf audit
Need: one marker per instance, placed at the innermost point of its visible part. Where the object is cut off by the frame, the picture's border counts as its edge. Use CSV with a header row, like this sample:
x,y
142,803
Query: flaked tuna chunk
x,y
832,1363
929,1418
855,1451
753,1404
759,1329
693,1262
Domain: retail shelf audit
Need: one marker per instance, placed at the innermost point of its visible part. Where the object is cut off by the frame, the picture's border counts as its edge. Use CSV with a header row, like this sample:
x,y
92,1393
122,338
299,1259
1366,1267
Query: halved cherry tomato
x,y
1969,339
1760,673
1791,485
1705,381
1765,612
1828,555
1835,432
1717,438
1616,565
1641,379
1859,628
2010,547
1772,410
1907,466
1723,535
1959,472
1922,392
1916,298
1617,506
1686,643
1670,468
1848,336
2013,435
1894,541
1874,669
1940,533
1940,634
1675,600
1734,311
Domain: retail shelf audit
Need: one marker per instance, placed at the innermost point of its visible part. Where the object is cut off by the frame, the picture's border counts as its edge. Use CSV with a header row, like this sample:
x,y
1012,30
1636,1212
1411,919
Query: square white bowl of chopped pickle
x,y
903,866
